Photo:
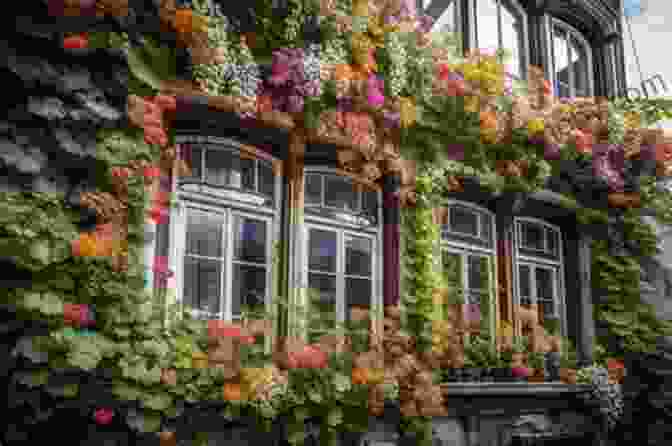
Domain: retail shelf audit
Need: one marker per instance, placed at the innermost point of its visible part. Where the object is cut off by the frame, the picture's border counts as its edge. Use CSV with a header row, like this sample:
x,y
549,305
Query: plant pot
x,y
472,374
568,376
502,374
536,376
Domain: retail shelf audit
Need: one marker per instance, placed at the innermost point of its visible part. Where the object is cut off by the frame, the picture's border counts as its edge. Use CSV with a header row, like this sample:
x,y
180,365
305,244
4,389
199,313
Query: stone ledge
x,y
513,389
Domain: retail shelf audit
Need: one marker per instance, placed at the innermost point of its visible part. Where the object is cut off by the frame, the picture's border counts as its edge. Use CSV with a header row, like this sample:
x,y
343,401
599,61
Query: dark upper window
x,y
571,61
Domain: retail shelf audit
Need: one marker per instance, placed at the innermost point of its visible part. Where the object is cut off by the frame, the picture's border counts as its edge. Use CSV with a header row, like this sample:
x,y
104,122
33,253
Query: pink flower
x,y
375,98
159,214
161,266
104,416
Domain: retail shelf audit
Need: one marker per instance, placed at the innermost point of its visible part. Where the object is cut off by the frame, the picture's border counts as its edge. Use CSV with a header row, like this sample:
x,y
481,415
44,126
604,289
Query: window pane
x,y
486,13
370,204
202,284
204,233
579,65
545,284
452,273
486,222
553,241
524,284
532,236
247,174
446,20
249,288
249,244
561,60
358,256
512,31
322,298
313,189
266,180
322,250
478,273
218,163
339,193
463,220
357,293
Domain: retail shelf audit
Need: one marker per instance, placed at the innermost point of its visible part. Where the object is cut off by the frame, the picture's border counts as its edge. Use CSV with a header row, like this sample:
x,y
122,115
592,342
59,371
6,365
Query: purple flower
x,y
392,120
455,152
551,152
295,104
425,23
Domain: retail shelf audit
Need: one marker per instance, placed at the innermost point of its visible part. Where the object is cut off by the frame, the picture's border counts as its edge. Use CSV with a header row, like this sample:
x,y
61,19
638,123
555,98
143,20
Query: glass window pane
x,y
218,164
579,65
266,180
357,293
486,13
512,38
545,284
532,236
452,274
525,284
248,288
561,60
358,256
463,220
322,250
486,222
247,173
370,204
478,271
553,241
322,298
446,20
339,193
249,243
204,233
202,284
313,189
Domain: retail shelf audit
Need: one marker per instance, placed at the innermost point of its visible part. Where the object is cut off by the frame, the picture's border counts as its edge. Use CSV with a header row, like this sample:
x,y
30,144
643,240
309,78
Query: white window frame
x,y
214,199
516,9
556,266
553,23
466,249
342,228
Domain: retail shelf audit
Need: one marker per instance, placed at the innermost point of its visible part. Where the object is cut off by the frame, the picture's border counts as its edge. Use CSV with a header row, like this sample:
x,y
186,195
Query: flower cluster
x,y
246,81
293,78
398,71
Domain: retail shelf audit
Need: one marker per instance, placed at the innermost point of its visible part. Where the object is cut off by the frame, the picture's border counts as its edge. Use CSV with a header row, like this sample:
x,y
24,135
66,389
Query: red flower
x,y
247,340
264,103
156,135
159,215
456,87
219,328
165,102
615,364
104,416
76,42
151,172
120,172
548,89
444,72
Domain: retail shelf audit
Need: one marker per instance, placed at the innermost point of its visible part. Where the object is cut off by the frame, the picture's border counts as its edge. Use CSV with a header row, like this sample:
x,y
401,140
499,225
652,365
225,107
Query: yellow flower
x,y
360,8
471,104
407,111
535,126
88,247
489,135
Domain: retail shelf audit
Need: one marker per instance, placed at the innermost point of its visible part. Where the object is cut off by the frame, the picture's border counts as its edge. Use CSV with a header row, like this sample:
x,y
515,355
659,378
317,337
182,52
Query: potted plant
x,y
502,369
519,368
568,365
536,366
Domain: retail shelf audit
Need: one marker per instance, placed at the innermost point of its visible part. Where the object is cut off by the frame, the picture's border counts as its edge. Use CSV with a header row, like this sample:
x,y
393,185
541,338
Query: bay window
x,y
341,235
538,270
468,260
571,61
222,229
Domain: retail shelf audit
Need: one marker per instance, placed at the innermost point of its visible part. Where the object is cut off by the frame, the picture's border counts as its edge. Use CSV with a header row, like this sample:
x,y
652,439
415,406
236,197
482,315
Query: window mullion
x,y
340,277
226,285
500,39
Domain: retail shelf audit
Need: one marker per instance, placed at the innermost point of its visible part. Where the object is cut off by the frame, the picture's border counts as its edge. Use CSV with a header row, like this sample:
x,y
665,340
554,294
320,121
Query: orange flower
x,y
488,120
183,20
343,72
85,246
360,375
583,141
232,392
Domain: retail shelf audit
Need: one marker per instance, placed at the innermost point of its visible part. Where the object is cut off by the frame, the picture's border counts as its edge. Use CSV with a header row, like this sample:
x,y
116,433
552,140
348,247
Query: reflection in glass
x,y
322,298
512,41
202,284
247,175
194,158
218,165
248,288
533,236
266,180
339,193
249,244
561,60
322,250
357,292
358,256
579,67
544,280
524,284
204,233
446,21
487,26
313,189
463,220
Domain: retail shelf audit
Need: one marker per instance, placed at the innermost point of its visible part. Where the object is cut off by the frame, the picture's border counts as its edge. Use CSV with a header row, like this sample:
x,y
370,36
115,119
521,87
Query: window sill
x,y
511,388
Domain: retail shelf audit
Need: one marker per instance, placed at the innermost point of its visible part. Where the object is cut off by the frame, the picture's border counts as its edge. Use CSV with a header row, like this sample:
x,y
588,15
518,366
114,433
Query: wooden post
x,y
391,228
507,309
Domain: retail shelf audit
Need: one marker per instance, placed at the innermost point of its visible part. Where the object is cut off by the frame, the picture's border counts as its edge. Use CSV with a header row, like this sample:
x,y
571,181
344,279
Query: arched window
x,y
571,61
538,270
341,242
501,24
223,227
468,258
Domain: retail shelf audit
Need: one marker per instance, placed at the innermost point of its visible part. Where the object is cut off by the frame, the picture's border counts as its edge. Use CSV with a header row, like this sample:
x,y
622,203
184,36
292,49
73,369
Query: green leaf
x,y
141,68
125,392
158,401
